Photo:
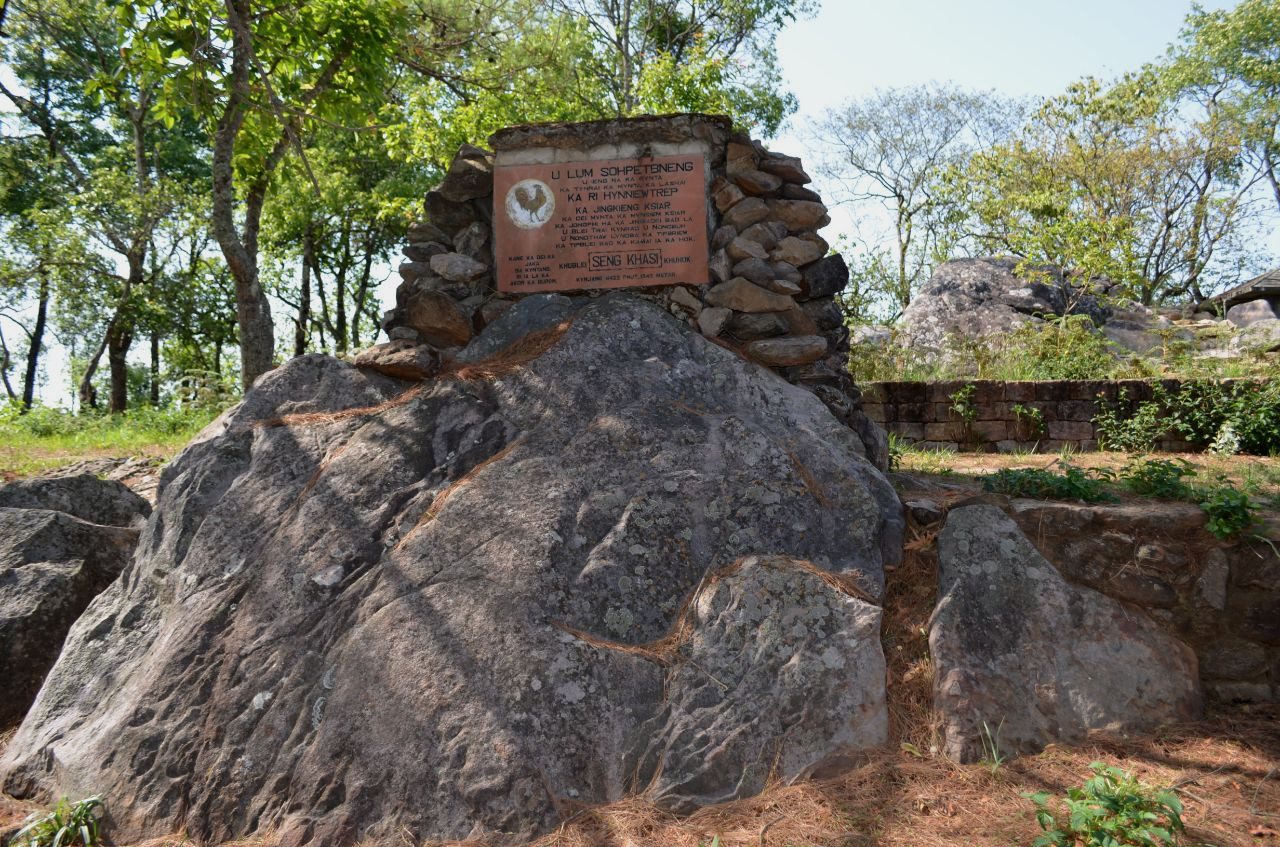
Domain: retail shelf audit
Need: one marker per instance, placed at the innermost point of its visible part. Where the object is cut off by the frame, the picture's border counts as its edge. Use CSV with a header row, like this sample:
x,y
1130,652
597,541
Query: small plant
x,y
897,446
1029,419
1112,809
68,824
962,405
1130,432
1072,484
1229,509
1159,478
992,758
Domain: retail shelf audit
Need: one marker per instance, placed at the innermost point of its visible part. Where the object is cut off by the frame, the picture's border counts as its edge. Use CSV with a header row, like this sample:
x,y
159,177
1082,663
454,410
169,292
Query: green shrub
x,y
1072,483
1159,478
1112,809
66,826
1135,431
1230,511
1229,417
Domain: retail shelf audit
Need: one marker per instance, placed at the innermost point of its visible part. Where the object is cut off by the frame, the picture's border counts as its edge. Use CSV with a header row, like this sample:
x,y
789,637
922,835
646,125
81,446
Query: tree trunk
x,y
155,368
37,341
302,328
253,311
119,340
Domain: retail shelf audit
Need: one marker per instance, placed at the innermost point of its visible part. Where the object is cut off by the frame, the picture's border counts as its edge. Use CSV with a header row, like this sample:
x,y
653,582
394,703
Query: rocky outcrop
x,y
1023,659
369,606
83,496
62,542
975,298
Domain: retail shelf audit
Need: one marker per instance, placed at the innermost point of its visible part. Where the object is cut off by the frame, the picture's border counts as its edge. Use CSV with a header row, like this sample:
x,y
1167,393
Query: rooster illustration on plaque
x,y
530,203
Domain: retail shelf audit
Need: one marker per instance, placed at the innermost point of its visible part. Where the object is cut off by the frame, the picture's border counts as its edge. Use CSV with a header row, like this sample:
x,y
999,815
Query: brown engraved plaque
x,y
608,223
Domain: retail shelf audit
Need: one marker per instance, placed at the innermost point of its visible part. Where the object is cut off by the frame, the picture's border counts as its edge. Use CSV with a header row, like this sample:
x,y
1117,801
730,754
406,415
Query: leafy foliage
x,y
67,825
1112,809
1237,417
1072,483
1159,478
1135,431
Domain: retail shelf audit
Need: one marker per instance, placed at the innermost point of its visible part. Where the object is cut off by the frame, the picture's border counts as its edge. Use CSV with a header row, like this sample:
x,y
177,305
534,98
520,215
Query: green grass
x,y
45,439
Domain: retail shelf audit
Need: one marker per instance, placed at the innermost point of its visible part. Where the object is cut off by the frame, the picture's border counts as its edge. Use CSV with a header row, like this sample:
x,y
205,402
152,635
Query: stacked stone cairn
x,y
771,295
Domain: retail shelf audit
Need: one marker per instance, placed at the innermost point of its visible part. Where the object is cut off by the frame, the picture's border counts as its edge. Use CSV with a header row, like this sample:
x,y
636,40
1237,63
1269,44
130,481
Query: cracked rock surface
x,y
365,605
1023,659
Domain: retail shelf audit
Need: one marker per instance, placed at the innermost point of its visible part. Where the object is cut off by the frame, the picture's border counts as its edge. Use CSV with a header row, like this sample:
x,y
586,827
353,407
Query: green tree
x,y
98,119
889,154
1118,182
1234,55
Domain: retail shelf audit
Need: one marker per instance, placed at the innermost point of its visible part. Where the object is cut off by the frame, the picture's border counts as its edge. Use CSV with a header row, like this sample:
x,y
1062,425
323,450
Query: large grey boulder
x,y
797,673
1023,659
52,565
84,496
367,607
1244,314
977,298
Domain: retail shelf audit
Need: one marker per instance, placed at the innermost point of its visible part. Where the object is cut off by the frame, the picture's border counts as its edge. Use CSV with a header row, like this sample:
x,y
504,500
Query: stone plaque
x,y
605,223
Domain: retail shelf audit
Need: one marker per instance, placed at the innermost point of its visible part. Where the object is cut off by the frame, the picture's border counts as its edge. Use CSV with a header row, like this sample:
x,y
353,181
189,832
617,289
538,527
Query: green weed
x,y
1111,809
67,825
1073,483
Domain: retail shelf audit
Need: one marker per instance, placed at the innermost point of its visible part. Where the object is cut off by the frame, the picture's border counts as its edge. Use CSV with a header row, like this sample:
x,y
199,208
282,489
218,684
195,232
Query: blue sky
x,y
1032,47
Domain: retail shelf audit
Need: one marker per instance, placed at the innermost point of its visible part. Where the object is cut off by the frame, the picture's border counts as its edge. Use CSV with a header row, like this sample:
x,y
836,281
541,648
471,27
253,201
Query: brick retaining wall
x,y
922,413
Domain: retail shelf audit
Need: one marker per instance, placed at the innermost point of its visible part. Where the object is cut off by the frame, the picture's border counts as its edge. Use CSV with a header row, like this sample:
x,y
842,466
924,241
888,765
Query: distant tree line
x,y
1161,181
173,174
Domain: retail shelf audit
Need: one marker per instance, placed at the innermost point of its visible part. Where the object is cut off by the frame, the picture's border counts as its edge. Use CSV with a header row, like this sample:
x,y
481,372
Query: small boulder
x,y
400,358
456,267
744,214
788,168
470,175
755,182
52,565
799,214
1023,659
797,251
1244,314
744,296
437,319
741,249
788,351
826,277
84,496
712,321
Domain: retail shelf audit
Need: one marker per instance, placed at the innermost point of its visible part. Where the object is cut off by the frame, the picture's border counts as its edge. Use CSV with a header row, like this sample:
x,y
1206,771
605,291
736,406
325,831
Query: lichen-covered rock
x,y
361,611
52,565
84,496
781,667
1023,659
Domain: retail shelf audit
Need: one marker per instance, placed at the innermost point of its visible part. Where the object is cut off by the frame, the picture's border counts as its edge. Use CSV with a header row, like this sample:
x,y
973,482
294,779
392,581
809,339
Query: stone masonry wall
x,y
773,287
1002,420
1222,598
